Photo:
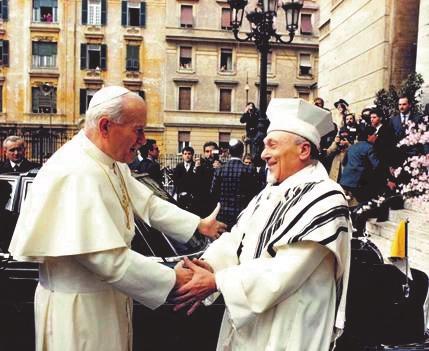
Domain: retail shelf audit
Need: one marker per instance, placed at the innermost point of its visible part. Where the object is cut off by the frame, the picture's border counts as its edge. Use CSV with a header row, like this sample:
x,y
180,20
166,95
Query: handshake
x,y
194,282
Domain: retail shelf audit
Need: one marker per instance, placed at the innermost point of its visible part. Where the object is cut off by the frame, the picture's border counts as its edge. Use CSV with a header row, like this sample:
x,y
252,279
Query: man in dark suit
x,y
14,148
7,218
204,169
234,185
149,163
184,179
399,122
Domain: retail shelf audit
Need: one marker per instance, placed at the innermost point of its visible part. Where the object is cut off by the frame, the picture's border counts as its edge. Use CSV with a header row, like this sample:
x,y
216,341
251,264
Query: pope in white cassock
x,y
283,269
77,222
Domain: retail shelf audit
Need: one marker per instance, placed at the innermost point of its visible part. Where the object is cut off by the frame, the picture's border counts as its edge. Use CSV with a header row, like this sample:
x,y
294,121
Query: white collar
x,y
92,149
13,164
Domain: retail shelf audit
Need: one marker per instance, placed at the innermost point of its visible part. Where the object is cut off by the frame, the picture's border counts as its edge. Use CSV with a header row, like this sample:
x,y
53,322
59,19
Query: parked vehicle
x,y
161,329
385,311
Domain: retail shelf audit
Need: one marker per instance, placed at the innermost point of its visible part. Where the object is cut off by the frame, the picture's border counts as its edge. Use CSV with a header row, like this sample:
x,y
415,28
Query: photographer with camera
x,y
250,117
204,170
346,136
350,128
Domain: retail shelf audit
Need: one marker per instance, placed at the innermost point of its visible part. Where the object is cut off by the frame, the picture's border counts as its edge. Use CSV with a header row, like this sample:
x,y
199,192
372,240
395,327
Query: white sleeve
x,y
222,253
178,224
255,286
137,276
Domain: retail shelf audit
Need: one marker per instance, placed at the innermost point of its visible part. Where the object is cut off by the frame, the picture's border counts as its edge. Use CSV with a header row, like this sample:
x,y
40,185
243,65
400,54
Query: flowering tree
x,y
415,168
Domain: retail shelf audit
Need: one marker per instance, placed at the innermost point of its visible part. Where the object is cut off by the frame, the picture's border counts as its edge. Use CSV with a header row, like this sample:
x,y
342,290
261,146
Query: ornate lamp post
x,y
262,17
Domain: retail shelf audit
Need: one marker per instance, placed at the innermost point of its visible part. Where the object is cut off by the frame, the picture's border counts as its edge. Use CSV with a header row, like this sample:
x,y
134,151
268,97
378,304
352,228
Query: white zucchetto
x,y
106,94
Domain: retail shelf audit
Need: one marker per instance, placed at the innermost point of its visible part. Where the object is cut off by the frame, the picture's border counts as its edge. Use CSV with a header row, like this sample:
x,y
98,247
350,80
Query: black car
x,y
161,329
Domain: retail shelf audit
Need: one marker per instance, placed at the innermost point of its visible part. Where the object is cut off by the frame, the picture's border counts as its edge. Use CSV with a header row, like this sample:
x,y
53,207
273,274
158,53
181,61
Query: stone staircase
x,y
382,234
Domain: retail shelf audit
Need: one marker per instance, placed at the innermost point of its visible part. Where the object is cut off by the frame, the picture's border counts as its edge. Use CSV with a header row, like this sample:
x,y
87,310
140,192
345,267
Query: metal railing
x,y
41,141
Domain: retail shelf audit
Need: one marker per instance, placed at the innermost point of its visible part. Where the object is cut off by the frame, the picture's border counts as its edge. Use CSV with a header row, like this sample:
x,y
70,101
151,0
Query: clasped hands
x,y
194,282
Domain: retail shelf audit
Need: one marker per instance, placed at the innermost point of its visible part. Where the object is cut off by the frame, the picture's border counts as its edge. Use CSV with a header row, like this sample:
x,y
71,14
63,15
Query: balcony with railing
x,y
41,62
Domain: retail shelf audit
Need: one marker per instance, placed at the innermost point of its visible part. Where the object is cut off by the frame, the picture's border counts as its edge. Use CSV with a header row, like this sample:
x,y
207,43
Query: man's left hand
x,y
202,284
210,227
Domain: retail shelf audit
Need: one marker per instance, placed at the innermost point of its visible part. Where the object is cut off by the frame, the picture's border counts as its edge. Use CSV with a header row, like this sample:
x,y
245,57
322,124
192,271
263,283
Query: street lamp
x,y
262,18
47,90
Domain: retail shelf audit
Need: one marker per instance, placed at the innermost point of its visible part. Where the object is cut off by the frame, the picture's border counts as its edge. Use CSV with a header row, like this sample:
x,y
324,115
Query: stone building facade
x,y
365,46
209,76
59,53
55,54
422,61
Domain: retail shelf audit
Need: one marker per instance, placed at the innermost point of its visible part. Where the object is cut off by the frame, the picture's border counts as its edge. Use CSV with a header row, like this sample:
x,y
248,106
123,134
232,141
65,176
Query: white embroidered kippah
x,y
106,94
299,117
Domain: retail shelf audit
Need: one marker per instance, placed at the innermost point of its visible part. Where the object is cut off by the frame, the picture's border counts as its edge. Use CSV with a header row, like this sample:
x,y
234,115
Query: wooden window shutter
x,y
82,101
103,12
103,57
84,11
82,56
124,9
143,14
5,10
5,57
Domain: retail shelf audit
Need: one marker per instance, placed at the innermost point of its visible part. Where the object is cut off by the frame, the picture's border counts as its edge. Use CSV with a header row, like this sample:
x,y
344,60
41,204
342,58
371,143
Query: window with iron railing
x,y
44,55
132,63
44,101
184,140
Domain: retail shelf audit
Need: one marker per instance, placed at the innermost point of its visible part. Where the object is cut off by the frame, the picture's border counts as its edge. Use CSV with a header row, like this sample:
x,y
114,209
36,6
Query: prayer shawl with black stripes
x,y
284,220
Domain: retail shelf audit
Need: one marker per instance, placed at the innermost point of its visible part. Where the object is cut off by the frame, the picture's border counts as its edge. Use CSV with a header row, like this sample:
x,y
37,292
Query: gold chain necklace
x,y
124,200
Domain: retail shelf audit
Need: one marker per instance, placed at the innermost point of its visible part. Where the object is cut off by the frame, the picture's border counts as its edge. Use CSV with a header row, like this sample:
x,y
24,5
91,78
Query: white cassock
x,y
283,269
74,225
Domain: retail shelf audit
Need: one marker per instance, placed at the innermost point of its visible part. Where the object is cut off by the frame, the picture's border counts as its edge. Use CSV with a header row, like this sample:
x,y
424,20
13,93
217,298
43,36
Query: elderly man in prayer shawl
x,y
78,223
283,269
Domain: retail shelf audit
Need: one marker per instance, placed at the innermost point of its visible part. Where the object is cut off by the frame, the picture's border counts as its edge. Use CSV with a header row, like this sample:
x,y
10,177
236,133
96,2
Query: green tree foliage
x,y
387,100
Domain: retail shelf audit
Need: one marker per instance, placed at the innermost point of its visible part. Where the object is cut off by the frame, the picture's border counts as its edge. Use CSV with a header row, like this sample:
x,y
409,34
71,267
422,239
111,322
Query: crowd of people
x,y
363,153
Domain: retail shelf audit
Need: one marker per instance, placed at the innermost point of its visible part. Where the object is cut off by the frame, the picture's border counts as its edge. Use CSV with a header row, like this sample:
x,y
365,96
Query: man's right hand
x,y
183,275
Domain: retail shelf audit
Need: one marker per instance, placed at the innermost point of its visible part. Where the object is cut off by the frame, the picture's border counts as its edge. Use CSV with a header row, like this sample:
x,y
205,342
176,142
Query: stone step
x,y
417,239
418,219
417,259
382,234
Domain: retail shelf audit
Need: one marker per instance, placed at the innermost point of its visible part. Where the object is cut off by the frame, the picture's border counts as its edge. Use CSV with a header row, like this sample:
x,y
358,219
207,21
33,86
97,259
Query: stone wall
x,y
422,64
365,46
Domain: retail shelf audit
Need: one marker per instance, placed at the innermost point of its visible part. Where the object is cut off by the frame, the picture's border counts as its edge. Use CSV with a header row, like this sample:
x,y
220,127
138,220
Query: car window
x,y
161,242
